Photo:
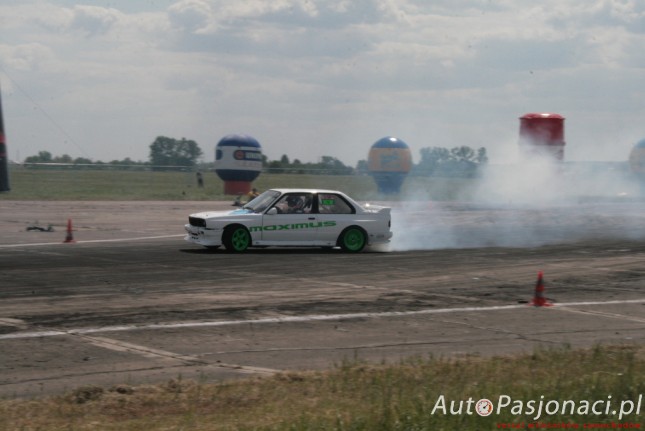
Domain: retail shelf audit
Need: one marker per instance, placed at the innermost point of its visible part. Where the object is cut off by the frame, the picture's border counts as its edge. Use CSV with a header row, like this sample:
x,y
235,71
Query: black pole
x,y
4,158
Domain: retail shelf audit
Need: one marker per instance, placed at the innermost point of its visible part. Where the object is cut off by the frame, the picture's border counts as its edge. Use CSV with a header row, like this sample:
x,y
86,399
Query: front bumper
x,y
203,236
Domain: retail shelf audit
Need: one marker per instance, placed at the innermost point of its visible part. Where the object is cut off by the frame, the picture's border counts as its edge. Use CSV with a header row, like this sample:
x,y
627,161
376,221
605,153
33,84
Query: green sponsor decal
x,y
328,201
293,226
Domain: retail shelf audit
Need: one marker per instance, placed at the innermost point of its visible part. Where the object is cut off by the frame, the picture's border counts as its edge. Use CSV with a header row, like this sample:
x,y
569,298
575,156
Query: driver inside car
x,y
295,205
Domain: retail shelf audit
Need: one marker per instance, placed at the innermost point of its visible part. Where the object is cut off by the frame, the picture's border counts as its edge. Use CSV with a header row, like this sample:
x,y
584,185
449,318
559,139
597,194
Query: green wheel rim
x,y
240,239
354,240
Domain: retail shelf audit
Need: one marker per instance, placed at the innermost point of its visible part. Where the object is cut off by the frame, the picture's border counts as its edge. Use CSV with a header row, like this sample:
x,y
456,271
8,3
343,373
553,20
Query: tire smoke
x,y
527,205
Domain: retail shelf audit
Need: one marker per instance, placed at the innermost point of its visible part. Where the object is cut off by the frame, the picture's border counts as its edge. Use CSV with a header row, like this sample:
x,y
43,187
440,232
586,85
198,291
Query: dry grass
x,y
353,396
68,184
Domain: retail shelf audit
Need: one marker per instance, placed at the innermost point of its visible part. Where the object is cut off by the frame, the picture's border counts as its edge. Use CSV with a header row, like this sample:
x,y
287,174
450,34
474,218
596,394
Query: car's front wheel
x,y
353,239
236,239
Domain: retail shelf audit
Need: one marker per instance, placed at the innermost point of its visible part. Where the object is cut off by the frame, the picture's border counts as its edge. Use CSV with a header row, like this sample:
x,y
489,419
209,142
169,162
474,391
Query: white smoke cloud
x,y
527,205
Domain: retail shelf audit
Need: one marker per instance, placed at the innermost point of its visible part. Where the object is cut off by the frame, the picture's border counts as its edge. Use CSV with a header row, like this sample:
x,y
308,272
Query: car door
x,y
290,221
334,215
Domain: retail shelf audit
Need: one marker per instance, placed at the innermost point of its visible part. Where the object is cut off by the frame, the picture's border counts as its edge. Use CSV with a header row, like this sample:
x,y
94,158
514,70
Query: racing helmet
x,y
294,201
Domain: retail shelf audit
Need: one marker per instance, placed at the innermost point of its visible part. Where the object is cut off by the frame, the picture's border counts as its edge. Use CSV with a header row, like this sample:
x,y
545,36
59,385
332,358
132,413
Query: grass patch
x,y
354,396
70,184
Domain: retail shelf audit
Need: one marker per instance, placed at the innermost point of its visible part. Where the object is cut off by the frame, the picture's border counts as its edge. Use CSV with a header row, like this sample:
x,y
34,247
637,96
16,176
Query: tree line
x,y
172,154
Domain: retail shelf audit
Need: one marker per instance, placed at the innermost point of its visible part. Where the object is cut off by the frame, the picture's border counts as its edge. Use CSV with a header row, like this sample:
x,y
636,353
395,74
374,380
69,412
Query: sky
x,y
313,78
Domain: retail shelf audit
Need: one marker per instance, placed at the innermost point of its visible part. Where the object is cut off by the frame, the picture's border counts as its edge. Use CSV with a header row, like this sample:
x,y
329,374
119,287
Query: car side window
x,y
295,203
333,204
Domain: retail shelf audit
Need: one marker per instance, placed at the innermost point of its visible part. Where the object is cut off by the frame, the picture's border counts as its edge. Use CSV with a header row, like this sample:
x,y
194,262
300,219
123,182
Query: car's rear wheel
x,y
236,239
353,239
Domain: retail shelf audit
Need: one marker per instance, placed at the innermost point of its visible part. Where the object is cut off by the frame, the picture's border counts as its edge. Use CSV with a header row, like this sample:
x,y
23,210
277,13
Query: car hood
x,y
222,214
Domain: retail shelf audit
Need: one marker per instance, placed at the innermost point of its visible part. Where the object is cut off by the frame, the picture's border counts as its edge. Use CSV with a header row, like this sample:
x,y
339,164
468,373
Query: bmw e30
x,y
293,218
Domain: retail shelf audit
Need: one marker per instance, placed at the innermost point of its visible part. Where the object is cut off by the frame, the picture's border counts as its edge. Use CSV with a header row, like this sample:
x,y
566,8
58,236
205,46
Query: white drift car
x,y
296,218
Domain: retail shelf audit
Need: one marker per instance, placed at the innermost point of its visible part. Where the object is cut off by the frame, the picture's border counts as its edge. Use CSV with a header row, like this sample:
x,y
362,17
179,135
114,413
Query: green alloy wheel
x,y
237,239
353,240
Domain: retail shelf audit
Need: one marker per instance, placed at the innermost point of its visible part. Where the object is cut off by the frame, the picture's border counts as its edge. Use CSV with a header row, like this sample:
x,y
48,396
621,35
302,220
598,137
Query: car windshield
x,y
261,202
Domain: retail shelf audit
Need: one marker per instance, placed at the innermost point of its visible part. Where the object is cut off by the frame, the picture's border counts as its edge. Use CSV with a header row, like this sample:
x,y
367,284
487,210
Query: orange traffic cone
x,y
70,236
538,299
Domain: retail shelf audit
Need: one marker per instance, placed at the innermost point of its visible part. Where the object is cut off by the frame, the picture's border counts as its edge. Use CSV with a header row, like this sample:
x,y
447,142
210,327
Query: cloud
x,y
288,28
26,57
94,20
336,74
629,14
192,16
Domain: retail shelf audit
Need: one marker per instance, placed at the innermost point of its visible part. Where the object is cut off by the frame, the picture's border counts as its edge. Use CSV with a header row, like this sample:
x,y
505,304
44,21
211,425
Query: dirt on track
x,y
131,301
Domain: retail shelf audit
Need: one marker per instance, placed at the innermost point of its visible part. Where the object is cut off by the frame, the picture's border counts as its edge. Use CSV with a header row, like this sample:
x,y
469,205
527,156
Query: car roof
x,y
307,191
358,206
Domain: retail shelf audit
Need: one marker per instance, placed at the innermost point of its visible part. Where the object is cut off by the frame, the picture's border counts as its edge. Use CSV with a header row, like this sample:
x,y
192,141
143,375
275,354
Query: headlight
x,y
197,222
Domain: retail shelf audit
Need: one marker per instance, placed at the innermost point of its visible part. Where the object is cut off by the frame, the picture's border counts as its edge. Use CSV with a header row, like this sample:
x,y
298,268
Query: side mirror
x,y
272,211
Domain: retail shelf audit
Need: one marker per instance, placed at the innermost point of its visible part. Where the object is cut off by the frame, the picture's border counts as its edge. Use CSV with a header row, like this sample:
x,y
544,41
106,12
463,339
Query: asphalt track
x,y
131,302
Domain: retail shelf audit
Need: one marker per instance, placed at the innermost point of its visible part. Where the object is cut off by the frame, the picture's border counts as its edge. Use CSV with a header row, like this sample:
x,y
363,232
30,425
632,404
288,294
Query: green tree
x,y
362,166
166,152
42,157
65,158
482,157
274,166
463,154
331,165
82,161
432,158
456,162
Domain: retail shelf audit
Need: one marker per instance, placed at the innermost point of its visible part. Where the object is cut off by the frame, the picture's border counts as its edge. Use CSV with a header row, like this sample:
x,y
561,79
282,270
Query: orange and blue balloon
x,y
389,163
